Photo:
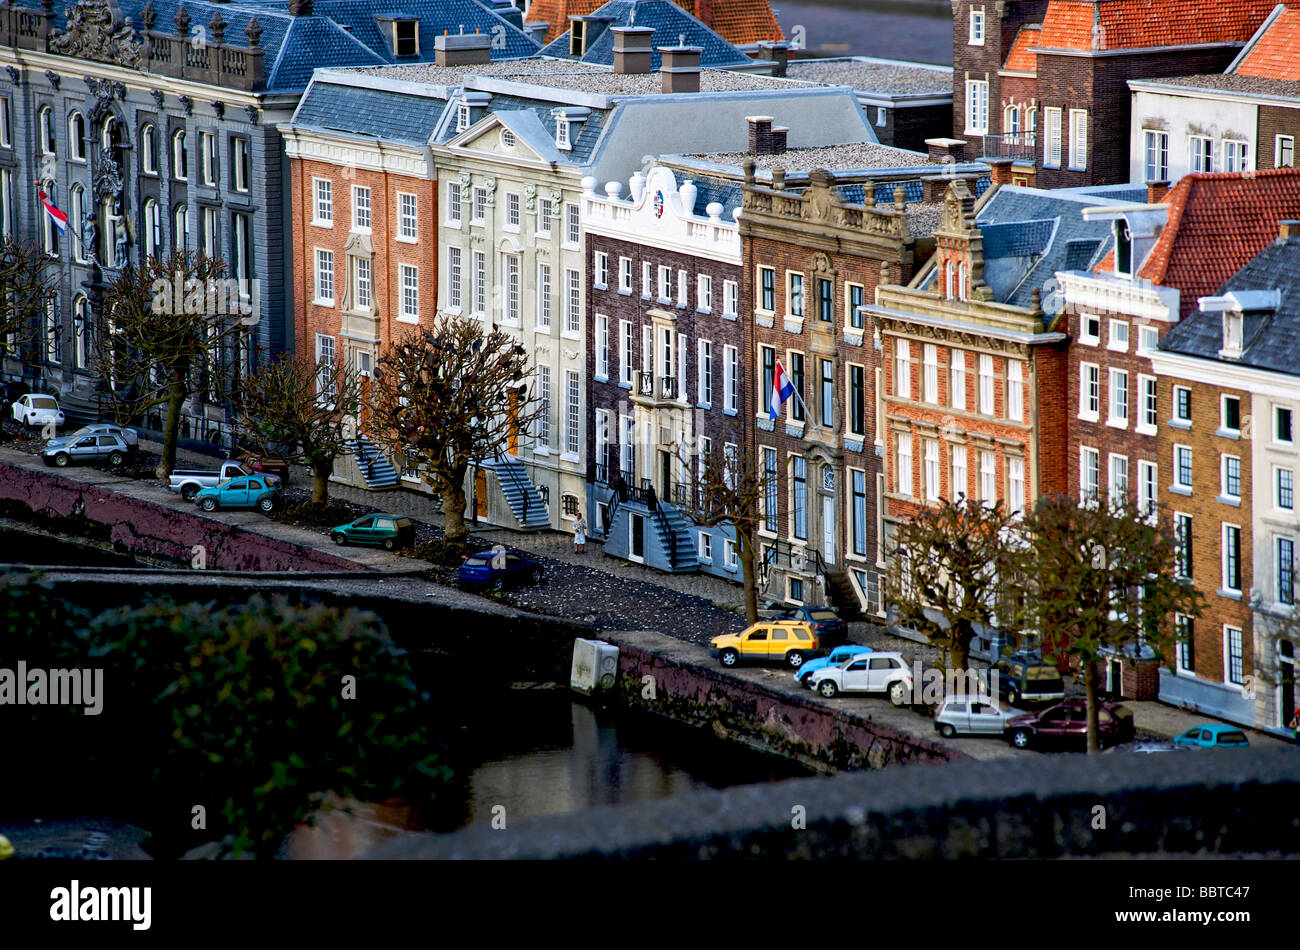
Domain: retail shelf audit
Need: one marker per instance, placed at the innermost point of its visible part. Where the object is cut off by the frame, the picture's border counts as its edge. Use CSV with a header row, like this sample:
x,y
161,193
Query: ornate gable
x,y
97,31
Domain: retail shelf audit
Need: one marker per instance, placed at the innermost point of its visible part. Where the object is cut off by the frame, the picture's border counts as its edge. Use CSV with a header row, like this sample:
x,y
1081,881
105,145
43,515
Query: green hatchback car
x,y
387,531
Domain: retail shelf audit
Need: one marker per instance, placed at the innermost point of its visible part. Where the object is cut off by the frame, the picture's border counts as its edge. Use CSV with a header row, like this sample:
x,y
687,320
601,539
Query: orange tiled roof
x,y
1276,55
1217,223
741,22
1135,24
1020,59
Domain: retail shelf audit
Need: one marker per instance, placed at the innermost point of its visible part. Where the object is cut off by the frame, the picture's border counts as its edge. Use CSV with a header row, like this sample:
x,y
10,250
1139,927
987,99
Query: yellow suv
x,y
790,641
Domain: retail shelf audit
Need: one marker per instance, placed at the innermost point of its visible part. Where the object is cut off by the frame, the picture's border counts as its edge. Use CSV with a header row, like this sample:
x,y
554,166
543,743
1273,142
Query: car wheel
x,y
795,659
537,576
267,505
208,504
729,658
947,730
115,459
1020,739
338,538
828,688
389,544
898,693
1013,696
189,491
61,459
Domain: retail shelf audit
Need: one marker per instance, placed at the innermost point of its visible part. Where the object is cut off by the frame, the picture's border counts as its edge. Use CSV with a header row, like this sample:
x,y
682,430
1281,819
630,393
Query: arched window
x,y
152,229
180,227
1031,120
108,134
107,239
77,137
45,123
76,214
80,311
148,150
1012,123
947,280
50,233
961,281
180,158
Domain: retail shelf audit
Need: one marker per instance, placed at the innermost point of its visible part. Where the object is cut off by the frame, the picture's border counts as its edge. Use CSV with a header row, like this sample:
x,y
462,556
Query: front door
x,y
636,525
512,422
665,476
856,676
828,529
1114,677
480,494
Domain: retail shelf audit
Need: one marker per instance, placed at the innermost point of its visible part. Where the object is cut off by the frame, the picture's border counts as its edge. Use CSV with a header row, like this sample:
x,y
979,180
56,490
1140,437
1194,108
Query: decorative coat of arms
x,y
92,33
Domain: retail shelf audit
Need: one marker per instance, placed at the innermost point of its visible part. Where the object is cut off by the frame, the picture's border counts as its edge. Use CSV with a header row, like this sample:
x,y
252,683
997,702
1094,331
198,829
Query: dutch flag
x,y
58,217
782,389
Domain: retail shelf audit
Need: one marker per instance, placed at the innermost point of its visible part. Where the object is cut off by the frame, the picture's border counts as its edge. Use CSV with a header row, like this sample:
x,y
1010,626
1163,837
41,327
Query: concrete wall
x,y
1183,116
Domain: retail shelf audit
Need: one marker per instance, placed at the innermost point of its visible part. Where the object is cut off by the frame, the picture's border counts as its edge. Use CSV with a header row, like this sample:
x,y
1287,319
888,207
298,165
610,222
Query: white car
x,y
867,673
37,410
971,715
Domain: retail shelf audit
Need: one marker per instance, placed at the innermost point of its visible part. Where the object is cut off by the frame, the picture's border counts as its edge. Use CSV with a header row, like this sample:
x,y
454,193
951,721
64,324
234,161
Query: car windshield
x,y
84,430
477,561
824,615
1042,673
43,402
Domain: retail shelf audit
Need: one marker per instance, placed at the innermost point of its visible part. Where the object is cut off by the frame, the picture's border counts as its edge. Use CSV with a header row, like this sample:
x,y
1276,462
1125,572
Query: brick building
x,y
743,23
1044,85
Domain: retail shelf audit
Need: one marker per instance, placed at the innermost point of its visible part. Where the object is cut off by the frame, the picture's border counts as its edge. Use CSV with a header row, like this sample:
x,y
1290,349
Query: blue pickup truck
x,y
243,491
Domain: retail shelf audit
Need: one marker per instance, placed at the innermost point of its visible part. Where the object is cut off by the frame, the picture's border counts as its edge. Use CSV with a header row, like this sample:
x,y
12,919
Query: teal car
x,y
243,491
1212,736
387,531
838,656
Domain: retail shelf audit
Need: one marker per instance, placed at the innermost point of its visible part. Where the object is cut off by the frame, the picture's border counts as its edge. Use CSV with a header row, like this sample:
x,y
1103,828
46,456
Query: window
x,y
988,477
799,497
770,490
507,140
1236,156
361,283
409,279
1185,630
930,373
976,28
1118,479
986,384
406,37
1089,474
180,227
767,289
625,352
512,211
625,275
706,545
855,301
825,300
977,107
903,369
857,415
153,233
730,298
543,296
627,458
731,381
826,395
1078,138
324,201
768,361
1148,340
1183,467
209,234
1118,398
1118,336
1147,418
208,153
453,203
794,297
241,164
510,264
543,406
324,364
572,225
960,477
573,413
1230,415
562,133
729,553
1232,648
1089,329
958,385
1282,424
797,380
180,157
406,214
602,347
1148,487
904,476
77,137
360,208
53,334
1230,477
6,127
572,300
454,278
1015,485
1182,406
545,211
681,288
704,371
1232,558
601,277
1183,545
45,126
79,316
645,279
858,485
478,212
1052,144
324,276
77,213
1285,556
704,293
1015,390
931,470
1284,479
1201,148
478,262
1283,151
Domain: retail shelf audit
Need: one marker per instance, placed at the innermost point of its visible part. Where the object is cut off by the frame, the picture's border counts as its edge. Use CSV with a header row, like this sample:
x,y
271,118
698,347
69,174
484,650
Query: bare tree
x,y
1106,578
446,398
27,285
168,325
298,407
954,567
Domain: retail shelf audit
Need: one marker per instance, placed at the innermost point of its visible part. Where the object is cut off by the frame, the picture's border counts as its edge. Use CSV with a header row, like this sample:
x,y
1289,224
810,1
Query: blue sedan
x,y
499,569
838,655
1212,736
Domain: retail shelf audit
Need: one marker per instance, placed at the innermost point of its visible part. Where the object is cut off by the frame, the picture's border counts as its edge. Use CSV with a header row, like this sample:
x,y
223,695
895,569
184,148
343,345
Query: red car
x,y
1065,725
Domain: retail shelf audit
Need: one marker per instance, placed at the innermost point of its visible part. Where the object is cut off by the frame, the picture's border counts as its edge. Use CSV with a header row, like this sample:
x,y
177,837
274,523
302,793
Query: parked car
x,y
838,655
36,410
830,628
791,641
876,673
1066,724
971,715
1211,736
130,436
499,570
243,491
388,531
1026,678
189,481
98,447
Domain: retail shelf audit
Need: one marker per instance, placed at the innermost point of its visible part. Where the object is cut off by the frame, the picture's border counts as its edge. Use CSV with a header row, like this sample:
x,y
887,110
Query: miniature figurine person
x,y
580,535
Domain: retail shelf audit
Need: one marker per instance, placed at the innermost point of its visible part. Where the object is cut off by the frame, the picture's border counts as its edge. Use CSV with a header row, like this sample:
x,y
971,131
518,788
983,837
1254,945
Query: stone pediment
x,y
96,31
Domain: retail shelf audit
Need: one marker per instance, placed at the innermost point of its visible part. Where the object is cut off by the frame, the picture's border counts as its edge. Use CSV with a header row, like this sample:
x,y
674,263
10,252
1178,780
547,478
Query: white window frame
x,y
602,347
730,298
408,217
1236,156
322,190
1118,328
704,373
1155,155
903,368
600,277
1015,390
455,278
1117,480
1089,474
977,107
1148,486
454,213
324,277
1117,399
544,295
959,466
903,476
930,467
1224,531
1176,485
572,226
988,476
625,275
731,380
514,213
408,280
957,377
1052,139
1283,143
1148,400
976,35
1078,139
361,209
572,302
1200,153
703,293
930,373
987,403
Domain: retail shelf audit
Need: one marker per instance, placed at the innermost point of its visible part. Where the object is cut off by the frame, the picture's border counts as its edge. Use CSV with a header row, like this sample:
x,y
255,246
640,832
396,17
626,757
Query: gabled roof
x,y
1021,59
1274,52
1216,223
742,22
1017,238
1271,337
1139,24
389,115
671,25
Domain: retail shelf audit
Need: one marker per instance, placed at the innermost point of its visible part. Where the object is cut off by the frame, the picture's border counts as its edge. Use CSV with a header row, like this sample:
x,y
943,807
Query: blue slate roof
x,y
670,24
336,33
389,115
1017,238
1271,340
583,138
727,193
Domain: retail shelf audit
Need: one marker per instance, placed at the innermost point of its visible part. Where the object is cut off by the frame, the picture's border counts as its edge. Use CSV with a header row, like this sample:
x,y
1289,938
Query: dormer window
x,y
1232,340
1123,249
462,116
562,133
406,38
577,38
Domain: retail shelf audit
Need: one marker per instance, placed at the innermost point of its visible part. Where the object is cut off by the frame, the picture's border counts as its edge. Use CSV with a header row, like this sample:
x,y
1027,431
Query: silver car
x,y
87,448
971,715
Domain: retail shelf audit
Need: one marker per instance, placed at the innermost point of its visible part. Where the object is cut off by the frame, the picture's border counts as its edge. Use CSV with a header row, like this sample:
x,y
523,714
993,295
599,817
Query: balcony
x,y
659,388
1019,146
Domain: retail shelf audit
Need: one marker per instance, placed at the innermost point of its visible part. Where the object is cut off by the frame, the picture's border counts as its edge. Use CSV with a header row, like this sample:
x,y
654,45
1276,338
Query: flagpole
x,y
40,193
799,396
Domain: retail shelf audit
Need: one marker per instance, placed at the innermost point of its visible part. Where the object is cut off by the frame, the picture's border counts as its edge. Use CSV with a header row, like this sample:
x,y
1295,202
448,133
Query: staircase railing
x,y
782,554
666,529
504,466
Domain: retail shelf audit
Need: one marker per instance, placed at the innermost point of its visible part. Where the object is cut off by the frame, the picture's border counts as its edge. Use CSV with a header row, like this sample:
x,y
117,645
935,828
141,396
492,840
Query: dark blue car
x,y
499,569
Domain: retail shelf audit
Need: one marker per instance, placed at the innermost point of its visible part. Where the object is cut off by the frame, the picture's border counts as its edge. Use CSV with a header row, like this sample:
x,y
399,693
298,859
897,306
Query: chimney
x,y
680,68
778,140
760,134
777,53
1288,228
631,49
946,150
1000,170
299,7
466,49
1156,191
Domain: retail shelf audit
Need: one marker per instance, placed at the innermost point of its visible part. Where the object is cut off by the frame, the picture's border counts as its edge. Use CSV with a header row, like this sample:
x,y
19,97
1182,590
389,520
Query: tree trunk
x,y
961,645
1090,684
745,549
455,530
171,431
321,470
